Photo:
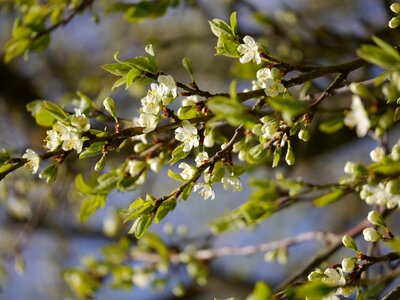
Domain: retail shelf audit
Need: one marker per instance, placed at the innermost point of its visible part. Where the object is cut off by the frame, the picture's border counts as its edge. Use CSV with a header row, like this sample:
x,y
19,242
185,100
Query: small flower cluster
x,y
157,96
384,194
334,277
358,117
270,81
68,133
205,188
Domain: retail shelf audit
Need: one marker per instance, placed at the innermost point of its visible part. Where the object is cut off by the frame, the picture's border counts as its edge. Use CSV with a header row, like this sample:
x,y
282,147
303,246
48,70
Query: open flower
x,y
187,172
232,182
358,117
148,121
79,121
201,158
33,160
188,135
205,190
249,51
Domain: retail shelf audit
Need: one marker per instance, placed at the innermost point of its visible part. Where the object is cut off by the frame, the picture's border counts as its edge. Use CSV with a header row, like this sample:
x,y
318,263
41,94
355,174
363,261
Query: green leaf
x,y
55,110
101,163
328,198
262,291
178,154
188,112
109,105
389,49
165,207
41,115
140,226
288,106
385,167
138,208
187,190
233,23
218,172
4,156
93,150
117,69
142,63
132,75
187,64
219,27
396,115
50,173
90,206
232,111
332,125
314,290
82,186
377,56
175,176
16,48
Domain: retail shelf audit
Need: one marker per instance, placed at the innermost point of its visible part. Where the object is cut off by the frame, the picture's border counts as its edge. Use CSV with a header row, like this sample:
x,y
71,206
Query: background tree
x,y
272,119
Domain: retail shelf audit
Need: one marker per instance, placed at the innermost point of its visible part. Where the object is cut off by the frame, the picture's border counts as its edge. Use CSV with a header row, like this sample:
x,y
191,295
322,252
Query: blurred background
x,y
38,223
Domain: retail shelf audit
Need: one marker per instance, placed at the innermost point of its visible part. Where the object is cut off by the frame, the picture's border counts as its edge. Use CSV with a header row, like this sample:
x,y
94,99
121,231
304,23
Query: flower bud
x,y
348,264
376,218
395,7
377,154
371,235
394,22
349,242
304,134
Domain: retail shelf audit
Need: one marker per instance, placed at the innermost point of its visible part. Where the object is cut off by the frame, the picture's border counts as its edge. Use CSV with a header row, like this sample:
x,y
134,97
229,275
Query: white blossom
x,y
134,167
209,139
273,87
249,51
348,264
148,121
232,182
149,49
334,277
188,171
150,105
33,160
190,100
155,164
371,235
71,140
53,140
79,121
188,135
377,154
205,190
169,85
358,117
350,167
201,158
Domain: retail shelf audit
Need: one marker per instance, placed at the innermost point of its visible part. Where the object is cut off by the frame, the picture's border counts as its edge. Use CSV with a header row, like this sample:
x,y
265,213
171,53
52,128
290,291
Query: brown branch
x,y
63,22
316,261
207,254
329,90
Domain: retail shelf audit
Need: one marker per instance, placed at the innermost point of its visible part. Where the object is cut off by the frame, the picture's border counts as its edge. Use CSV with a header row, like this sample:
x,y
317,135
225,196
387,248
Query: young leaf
x,y
90,206
187,64
109,105
140,226
329,198
93,150
165,207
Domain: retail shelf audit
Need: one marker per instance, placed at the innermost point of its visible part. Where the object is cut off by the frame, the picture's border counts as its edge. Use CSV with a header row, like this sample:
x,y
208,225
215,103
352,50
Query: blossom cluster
x,y
270,81
157,96
334,277
68,133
